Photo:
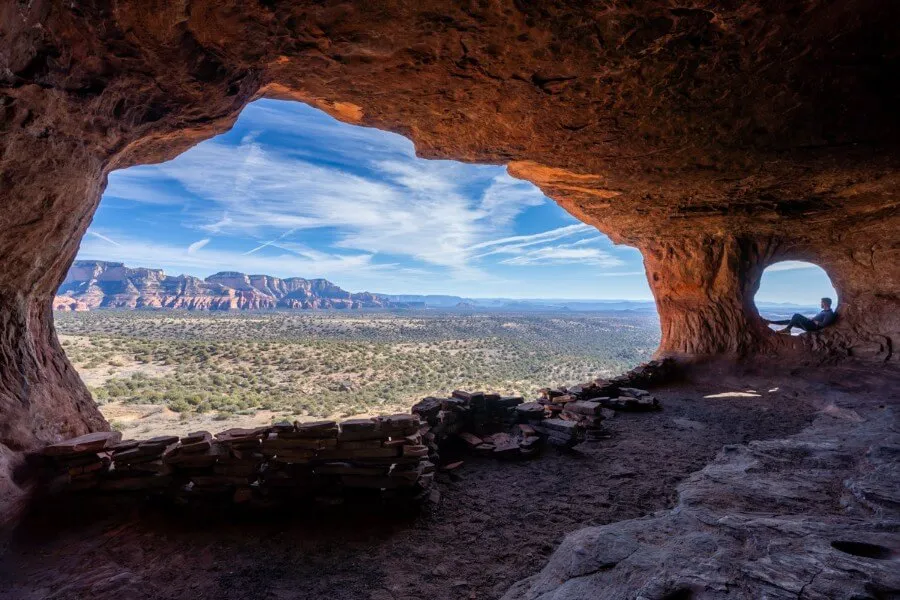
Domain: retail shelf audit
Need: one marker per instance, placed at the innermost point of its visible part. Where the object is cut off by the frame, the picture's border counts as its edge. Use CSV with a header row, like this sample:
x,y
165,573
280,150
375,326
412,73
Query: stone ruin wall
x,y
716,141
378,461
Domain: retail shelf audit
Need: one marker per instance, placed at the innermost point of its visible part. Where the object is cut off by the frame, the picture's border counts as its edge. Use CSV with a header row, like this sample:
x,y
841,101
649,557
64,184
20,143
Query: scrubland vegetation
x,y
338,364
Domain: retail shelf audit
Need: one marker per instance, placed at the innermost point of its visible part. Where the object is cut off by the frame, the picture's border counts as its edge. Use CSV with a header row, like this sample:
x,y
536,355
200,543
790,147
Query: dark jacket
x,y
825,318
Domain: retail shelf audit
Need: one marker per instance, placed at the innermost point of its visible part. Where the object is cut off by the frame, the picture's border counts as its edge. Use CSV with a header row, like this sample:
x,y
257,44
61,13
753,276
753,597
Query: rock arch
x,y
714,141
814,283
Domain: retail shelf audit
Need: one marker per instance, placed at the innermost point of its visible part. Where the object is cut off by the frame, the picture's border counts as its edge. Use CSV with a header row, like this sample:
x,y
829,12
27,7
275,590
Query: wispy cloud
x,y
564,254
791,265
536,238
620,273
142,184
518,244
290,192
140,252
197,245
395,206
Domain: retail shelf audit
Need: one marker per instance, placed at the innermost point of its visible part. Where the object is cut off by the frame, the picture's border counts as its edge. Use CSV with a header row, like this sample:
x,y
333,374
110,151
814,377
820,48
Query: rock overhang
x,y
716,140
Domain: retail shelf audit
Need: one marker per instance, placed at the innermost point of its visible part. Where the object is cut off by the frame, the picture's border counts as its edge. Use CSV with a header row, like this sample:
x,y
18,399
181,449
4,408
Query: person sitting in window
x,y
822,320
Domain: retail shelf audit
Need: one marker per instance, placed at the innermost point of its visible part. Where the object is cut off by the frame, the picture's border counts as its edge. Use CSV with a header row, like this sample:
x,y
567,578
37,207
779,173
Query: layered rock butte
x,y
98,284
715,138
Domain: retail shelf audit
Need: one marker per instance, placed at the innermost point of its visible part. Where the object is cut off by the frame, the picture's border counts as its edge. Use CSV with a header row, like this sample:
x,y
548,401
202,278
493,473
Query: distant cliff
x,y
98,284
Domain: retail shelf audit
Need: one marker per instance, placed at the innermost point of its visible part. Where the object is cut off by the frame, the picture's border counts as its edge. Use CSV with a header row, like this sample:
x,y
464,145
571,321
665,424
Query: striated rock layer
x,y
814,516
716,138
99,284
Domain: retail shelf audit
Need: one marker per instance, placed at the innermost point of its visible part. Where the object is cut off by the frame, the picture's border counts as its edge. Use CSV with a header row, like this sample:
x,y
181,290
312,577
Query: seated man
x,y
822,320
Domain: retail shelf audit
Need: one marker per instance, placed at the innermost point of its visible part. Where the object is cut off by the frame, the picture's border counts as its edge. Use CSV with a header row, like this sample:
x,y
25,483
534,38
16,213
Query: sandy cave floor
x,y
496,522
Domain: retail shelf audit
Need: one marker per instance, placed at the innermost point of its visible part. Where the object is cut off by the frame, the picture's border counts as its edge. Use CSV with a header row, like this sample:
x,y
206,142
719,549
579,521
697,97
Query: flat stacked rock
x,y
85,459
571,406
560,432
288,461
382,453
589,414
633,400
138,465
490,411
242,460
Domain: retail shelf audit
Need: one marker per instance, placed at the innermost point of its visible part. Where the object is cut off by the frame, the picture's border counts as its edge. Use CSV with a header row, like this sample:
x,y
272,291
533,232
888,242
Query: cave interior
x,y
718,140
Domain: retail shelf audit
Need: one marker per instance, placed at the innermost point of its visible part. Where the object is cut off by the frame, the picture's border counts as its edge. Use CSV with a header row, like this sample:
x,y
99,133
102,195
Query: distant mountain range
x,y
91,285
97,284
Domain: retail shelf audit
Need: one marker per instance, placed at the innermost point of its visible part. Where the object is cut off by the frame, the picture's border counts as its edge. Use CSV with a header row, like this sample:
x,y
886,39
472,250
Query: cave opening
x,y
298,267
792,287
712,140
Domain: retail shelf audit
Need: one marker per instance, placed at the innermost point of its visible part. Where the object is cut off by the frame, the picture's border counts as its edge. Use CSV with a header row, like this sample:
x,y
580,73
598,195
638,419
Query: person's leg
x,y
805,323
795,321
781,322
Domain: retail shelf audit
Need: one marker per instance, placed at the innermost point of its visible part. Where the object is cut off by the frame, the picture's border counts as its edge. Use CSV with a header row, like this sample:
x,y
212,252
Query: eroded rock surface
x,y
716,139
812,516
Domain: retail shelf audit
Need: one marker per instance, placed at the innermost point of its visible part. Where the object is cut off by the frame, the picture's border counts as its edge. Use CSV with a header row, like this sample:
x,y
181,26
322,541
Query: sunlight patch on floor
x,y
747,394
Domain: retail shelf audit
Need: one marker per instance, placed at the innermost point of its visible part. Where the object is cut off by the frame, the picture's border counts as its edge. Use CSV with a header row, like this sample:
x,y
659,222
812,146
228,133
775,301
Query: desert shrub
x,y
179,406
229,363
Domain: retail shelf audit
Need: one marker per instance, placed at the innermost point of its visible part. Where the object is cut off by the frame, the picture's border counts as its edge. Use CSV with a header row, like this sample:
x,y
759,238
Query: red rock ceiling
x,y
715,137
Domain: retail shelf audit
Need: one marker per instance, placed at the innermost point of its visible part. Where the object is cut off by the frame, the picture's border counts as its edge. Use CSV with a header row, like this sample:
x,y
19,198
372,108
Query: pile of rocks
x,y
508,427
649,374
588,404
505,427
324,461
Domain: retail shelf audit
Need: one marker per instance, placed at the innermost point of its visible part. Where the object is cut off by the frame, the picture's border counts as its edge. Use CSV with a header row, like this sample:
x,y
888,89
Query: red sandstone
x,y
717,141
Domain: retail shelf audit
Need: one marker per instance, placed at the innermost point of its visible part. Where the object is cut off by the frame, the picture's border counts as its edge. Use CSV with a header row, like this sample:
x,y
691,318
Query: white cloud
x,y
790,265
564,254
506,197
197,245
415,208
368,196
621,274
590,240
217,226
139,252
140,184
513,243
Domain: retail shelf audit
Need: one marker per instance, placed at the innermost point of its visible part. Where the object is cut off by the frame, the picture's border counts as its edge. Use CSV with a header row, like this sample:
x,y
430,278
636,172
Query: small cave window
x,y
790,288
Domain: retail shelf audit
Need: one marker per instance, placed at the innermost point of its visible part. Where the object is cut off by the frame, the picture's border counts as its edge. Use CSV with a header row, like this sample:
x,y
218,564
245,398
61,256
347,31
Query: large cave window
x,y
240,273
790,287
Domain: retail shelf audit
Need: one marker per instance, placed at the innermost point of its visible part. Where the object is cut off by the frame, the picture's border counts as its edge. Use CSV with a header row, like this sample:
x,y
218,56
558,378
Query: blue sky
x,y
795,281
289,191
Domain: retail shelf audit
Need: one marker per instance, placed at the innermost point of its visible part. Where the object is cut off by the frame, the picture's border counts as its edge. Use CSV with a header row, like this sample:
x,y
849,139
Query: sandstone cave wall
x,y
715,141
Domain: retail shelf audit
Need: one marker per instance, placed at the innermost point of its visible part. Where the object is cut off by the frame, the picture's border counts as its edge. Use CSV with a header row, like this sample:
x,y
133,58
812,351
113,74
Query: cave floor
x,y
496,522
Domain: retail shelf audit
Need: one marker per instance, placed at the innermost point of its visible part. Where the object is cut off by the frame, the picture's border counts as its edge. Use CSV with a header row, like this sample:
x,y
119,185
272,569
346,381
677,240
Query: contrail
x,y
104,238
270,242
